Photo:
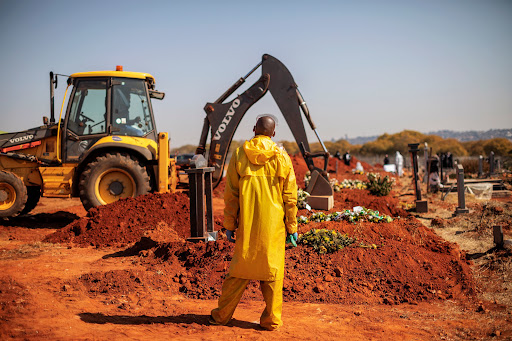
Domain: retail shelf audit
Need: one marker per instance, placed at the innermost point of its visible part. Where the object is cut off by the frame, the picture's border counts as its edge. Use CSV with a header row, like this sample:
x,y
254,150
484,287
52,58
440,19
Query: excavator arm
x,y
222,119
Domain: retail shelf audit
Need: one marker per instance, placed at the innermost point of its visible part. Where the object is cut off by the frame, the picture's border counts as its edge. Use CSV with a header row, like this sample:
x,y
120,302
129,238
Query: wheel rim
x,y
7,196
113,185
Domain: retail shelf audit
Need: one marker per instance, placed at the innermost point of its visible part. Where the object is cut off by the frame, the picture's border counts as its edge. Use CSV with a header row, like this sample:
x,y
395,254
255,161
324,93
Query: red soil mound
x,y
349,198
127,220
410,264
300,167
344,171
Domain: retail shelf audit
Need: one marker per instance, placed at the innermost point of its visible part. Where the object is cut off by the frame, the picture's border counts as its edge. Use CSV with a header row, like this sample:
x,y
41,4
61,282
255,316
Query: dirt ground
x,y
433,276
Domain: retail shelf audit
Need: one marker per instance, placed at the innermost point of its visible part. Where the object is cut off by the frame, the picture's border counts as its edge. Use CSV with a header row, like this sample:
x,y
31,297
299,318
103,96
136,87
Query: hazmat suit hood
x,y
260,149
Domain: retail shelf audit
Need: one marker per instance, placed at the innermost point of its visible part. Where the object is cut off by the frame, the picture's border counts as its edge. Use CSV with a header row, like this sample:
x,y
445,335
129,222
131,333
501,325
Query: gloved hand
x,y
230,234
292,238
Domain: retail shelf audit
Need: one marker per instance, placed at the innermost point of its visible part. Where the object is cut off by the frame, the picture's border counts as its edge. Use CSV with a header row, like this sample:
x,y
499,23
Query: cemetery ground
x,y
152,287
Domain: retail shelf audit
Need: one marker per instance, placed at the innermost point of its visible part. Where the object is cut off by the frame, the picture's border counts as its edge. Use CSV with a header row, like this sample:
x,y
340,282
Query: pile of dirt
x,y
122,282
301,168
349,198
342,167
343,171
409,265
127,220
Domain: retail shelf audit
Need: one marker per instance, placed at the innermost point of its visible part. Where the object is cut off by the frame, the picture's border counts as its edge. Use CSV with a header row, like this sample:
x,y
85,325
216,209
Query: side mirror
x,y
156,94
45,120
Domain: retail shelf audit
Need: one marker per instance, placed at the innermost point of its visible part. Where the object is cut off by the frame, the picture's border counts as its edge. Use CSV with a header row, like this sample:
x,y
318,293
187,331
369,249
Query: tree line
x,y
390,143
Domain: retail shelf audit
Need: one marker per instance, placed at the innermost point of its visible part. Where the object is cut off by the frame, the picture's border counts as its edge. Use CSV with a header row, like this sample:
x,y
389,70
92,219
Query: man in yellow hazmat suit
x,y
260,198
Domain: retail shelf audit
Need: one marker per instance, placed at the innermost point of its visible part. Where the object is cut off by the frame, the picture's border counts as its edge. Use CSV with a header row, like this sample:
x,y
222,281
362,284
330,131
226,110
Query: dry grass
x,y
29,250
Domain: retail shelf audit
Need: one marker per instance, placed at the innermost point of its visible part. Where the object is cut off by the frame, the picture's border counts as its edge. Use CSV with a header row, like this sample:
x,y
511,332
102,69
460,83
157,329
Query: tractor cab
x,y
107,103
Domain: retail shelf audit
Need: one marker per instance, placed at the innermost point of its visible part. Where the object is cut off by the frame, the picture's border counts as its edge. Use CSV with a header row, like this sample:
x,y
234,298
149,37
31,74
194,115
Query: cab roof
x,y
110,73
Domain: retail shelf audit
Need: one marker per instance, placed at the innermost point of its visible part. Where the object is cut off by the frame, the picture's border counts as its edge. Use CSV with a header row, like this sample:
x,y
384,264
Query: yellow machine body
x,y
41,162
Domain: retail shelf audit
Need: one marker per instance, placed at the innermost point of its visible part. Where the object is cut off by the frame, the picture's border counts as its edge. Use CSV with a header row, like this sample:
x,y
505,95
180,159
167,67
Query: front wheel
x,y
111,177
13,194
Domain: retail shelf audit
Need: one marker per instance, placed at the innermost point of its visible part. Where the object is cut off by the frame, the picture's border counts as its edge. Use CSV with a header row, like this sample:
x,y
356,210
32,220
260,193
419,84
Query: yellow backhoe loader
x,y
106,146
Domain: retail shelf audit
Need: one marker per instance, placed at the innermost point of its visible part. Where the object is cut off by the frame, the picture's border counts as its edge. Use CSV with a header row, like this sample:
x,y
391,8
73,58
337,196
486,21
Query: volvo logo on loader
x,y
226,119
21,139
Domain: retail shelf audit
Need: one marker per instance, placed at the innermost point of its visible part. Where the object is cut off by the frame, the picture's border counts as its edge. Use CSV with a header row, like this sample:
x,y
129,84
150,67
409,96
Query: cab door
x,y
87,117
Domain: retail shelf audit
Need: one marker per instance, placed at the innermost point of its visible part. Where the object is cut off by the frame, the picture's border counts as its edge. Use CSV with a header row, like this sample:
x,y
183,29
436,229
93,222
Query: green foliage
x,y
325,241
357,214
378,185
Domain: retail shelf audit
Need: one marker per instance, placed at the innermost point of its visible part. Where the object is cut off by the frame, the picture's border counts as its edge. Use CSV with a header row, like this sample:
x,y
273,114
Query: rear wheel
x,y
111,177
34,193
13,194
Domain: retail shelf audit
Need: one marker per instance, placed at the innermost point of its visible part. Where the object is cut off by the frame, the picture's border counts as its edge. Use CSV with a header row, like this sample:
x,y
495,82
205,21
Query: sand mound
x,y
159,216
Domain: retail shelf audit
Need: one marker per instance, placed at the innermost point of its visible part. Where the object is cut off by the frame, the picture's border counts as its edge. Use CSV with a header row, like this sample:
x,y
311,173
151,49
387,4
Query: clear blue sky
x,y
364,67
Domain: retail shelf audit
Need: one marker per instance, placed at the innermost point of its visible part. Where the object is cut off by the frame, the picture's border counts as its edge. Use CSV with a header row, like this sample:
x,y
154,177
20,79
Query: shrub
x,y
325,241
379,186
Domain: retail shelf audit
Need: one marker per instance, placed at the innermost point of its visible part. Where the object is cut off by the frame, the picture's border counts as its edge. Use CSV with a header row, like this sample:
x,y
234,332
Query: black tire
x,y
34,193
111,177
13,194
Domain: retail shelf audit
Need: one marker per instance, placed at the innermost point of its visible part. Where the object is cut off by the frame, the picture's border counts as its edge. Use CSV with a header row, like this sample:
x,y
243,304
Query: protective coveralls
x,y
399,159
260,199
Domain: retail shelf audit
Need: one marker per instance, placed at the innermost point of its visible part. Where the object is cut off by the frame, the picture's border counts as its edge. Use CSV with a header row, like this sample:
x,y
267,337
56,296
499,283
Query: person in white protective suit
x,y
399,161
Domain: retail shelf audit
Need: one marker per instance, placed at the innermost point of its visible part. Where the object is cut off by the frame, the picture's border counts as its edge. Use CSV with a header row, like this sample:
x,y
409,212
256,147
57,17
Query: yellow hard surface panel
x,y
57,181
130,140
125,74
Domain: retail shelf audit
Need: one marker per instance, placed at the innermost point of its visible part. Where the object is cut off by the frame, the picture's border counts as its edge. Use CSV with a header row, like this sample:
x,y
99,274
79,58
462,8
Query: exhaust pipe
x,y
52,97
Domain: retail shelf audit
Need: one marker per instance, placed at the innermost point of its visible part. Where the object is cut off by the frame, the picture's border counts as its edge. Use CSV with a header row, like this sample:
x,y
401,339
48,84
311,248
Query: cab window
x,y
130,114
88,109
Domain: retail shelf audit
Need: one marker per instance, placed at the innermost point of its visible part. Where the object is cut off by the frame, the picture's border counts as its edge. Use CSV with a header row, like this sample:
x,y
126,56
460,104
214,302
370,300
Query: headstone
x,y
421,205
491,163
321,195
425,156
461,192
480,166
498,236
